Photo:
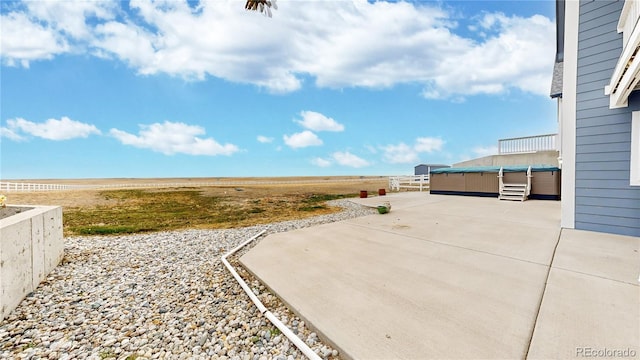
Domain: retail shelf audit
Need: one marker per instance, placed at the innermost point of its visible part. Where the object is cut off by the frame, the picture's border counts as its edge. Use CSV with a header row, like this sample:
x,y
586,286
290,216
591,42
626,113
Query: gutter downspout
x,y
306,350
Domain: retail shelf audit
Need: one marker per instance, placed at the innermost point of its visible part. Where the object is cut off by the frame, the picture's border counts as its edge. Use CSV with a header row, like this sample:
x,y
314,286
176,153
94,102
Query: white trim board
x,y
568,120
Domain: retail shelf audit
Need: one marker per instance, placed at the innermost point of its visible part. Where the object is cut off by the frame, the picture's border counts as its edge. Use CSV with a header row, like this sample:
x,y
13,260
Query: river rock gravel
x,y
157,296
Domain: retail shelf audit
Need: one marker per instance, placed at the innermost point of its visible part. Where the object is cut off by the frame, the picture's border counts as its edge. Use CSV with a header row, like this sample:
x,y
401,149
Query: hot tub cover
x,y
494,169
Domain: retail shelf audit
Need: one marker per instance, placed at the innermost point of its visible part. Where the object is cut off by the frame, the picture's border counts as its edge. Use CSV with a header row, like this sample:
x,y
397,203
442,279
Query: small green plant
x,y
106,354
320,198
109,230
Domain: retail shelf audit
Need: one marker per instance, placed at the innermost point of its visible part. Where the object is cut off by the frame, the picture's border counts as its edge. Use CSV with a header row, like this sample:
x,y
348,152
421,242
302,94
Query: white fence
x,y
29,187
527,144
7,187
420,182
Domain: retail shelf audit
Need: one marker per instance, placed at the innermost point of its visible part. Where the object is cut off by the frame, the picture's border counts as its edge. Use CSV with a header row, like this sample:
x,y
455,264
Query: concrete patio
x,y
458,277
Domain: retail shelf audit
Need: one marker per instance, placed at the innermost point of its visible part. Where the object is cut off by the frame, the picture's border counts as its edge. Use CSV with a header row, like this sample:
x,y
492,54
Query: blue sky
x,y
94,89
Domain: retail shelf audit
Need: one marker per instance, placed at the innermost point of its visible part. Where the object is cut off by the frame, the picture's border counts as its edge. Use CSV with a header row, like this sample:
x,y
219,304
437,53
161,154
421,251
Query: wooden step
x,y
511,197
515,192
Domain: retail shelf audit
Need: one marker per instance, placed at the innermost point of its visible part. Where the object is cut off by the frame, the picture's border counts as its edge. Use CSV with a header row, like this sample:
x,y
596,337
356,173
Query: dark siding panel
x,y
594,81
624,127
604,148
593,32
612,184
587,7
603,166
609,220
598,67
614,156
604,199
591,95
607,202
629,231
582,105
628,193
623,216
589,86
595,42
615,46
603,56
605,175
605,138
597,82
606,120
603,111
605,14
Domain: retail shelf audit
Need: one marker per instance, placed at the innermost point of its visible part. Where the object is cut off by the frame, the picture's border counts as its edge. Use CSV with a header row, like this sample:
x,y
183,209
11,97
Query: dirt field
x,y
187,203
238,188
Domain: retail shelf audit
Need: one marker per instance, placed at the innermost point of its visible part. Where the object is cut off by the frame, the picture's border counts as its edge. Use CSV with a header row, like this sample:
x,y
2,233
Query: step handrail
x,y
529,176
502,185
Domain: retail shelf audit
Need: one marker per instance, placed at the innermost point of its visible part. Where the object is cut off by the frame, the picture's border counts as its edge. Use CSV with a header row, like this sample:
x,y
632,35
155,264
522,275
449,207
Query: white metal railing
x,y
34,187
409,181
527,144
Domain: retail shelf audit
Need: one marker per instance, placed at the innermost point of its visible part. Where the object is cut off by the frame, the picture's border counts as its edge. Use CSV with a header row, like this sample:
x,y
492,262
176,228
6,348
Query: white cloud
x,y
404,154
338,44
399,154
178,40
129,43
485,150
428,144
52,129
321,162
11,134
69,17
174,138
517,55
318,122
302,139
49,28
264,139
348,159
23,41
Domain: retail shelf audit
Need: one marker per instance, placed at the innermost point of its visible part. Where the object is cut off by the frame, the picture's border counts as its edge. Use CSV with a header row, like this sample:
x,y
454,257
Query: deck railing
x,y
628,20
625,75
528,144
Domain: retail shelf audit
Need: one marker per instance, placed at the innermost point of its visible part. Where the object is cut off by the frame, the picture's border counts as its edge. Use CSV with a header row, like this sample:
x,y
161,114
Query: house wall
x,y
549,158
604,200
421,170
425,169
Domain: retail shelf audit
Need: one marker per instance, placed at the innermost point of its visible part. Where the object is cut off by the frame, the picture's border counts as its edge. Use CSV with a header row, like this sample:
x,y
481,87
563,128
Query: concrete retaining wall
x,y
537,158
31,245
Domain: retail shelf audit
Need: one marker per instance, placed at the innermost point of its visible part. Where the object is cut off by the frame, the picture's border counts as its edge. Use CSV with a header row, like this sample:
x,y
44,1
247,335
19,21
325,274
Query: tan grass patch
x,y
203,207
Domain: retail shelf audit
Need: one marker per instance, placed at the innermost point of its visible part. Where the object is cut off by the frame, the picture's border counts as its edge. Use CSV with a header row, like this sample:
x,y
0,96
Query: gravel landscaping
x,y
157,296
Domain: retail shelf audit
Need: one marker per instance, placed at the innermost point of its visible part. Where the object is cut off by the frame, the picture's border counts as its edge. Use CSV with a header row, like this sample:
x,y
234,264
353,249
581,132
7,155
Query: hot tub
x,y
483,180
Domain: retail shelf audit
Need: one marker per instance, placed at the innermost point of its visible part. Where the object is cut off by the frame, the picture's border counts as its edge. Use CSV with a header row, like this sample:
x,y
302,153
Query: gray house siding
x,y
604,199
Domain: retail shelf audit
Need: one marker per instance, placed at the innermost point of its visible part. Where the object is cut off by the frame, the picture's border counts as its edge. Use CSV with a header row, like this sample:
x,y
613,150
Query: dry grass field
x,y
233,203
